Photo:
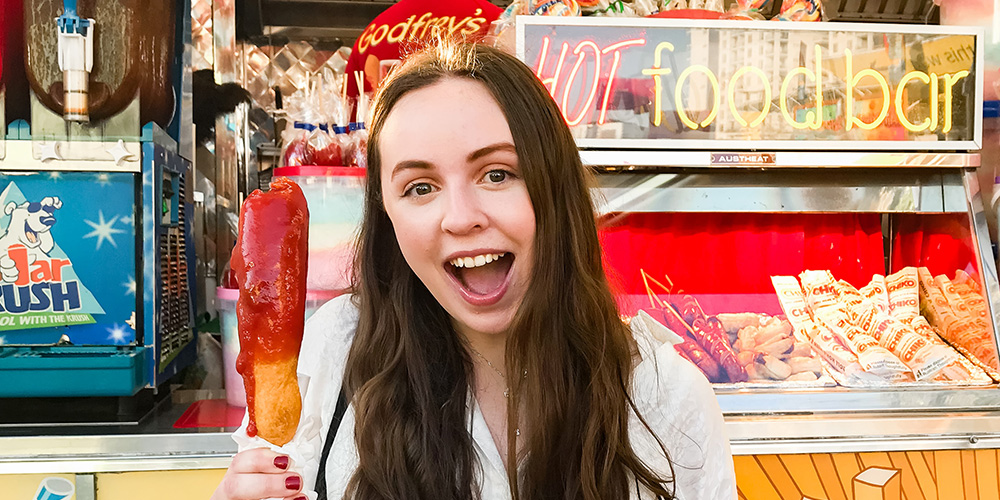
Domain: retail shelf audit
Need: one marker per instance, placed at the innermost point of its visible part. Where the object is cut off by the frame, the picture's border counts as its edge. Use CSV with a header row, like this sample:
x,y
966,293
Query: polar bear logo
x,y
30,225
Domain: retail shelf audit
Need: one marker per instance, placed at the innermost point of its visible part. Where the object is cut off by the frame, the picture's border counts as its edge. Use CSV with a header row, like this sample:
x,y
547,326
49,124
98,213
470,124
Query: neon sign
x,y
842,87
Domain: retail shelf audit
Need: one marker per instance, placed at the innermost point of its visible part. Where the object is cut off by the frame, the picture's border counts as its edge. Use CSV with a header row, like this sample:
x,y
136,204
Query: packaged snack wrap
x,y
960,305
794,304
973,299
848,295
961,331
964,278
875,291
959,370
955,300
840,362
921,356
819,289
873,357
904,295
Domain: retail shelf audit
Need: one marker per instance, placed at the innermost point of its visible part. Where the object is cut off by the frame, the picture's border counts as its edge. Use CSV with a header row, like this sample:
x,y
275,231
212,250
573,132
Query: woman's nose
x,y
463,212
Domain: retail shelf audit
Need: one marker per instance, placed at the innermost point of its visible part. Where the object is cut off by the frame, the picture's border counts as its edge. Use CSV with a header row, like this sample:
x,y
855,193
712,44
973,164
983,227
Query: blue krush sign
x,y
67,258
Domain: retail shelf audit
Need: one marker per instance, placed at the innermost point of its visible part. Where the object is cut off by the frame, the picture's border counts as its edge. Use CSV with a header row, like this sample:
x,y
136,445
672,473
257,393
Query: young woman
x,y
482,353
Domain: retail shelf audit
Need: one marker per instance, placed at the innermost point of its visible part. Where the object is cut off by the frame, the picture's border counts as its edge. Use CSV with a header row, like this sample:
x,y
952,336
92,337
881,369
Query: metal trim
x,y
757,145
782,159
110,464
108,443
870,432
632,22
984,248
29,155
847,401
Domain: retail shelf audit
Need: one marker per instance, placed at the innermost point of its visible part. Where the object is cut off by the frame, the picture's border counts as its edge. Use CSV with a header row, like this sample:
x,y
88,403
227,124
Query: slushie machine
x,y
96,250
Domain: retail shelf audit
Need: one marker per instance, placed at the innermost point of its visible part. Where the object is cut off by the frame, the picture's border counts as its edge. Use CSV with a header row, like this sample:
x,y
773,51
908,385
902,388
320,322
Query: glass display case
x,y
799,203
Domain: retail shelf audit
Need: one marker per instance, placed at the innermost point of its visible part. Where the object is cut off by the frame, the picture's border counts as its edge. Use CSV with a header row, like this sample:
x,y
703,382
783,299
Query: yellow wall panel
x,y
875,459
929,458
24,486
803,472
986,475
848,466
776,471
948,472
911,490
170,485
924,473
969,475
829,477
751,480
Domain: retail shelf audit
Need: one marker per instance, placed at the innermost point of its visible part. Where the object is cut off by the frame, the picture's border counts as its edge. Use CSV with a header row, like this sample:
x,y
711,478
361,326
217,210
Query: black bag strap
x,y
338,416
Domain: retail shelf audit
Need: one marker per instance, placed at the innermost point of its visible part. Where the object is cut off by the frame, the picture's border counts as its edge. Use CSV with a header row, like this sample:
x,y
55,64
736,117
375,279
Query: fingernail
x,y
301,498
293,482
281,462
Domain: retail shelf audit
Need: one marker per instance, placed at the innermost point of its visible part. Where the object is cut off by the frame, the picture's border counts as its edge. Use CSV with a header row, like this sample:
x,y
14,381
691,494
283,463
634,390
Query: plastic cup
x,y
226,304
54,488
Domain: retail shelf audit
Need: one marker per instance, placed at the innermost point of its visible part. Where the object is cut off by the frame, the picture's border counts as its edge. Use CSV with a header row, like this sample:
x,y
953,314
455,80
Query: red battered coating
x,y
269,262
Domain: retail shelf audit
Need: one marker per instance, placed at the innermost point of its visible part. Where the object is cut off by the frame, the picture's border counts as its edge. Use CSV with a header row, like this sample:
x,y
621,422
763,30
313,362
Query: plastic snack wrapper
x,y
922,357
359,151
875,291
874,358
799,10
298,147
793,302
959,330
749,10
562,8
904,294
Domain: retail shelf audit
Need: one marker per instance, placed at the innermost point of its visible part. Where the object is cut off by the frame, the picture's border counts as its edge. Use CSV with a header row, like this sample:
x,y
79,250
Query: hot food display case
x,y
795,207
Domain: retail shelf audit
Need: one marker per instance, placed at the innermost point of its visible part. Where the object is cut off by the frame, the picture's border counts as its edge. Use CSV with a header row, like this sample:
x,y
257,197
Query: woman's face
x,y
453,189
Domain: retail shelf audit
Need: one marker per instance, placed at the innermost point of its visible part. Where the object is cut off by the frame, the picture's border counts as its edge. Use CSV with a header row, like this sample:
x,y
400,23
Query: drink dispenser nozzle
x,y
76,60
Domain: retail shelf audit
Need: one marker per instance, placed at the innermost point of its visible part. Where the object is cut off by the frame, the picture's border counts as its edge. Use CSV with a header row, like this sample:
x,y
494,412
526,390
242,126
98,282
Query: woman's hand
x,y
259,473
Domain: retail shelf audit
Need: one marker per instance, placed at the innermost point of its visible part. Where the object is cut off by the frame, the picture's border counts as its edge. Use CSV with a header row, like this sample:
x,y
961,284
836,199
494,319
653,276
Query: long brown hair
x,y
408,373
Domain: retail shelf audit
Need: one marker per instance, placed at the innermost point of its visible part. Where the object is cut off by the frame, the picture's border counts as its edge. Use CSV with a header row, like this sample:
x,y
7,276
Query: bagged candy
x,y
329,152
359,152
799,10
298,150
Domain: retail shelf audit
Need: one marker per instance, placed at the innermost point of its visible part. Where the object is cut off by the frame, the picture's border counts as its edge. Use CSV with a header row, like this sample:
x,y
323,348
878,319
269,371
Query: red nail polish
x,y
293,482
301,498
281,462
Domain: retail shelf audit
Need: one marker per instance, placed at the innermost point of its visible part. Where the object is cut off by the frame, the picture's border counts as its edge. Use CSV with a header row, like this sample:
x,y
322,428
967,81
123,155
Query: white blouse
x,y
671,393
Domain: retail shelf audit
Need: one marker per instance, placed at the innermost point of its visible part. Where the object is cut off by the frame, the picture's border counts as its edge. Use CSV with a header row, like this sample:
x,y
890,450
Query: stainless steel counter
x,y
151,444
756,435
154,444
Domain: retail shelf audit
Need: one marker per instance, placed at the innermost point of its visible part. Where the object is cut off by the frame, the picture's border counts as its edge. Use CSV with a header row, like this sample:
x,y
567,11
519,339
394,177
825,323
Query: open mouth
x,y
483,275
29,234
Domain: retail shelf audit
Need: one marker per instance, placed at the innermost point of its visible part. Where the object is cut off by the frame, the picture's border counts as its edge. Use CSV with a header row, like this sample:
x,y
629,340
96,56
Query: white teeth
x,y
479,260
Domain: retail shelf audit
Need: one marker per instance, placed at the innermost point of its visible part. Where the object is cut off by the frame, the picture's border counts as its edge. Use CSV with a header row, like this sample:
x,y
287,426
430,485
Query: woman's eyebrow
x,y
481,152
410,164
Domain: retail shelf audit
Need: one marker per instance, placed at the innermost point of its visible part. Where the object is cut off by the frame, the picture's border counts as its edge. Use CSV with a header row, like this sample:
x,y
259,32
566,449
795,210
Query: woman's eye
x,y
497,176
419,189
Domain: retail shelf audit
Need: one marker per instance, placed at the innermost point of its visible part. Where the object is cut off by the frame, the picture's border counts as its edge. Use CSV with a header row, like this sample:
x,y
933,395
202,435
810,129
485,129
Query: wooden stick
x,y
657,283
359,79
649,292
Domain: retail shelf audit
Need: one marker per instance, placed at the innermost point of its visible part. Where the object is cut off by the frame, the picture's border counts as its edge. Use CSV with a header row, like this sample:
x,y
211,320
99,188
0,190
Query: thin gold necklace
x,y
506,391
